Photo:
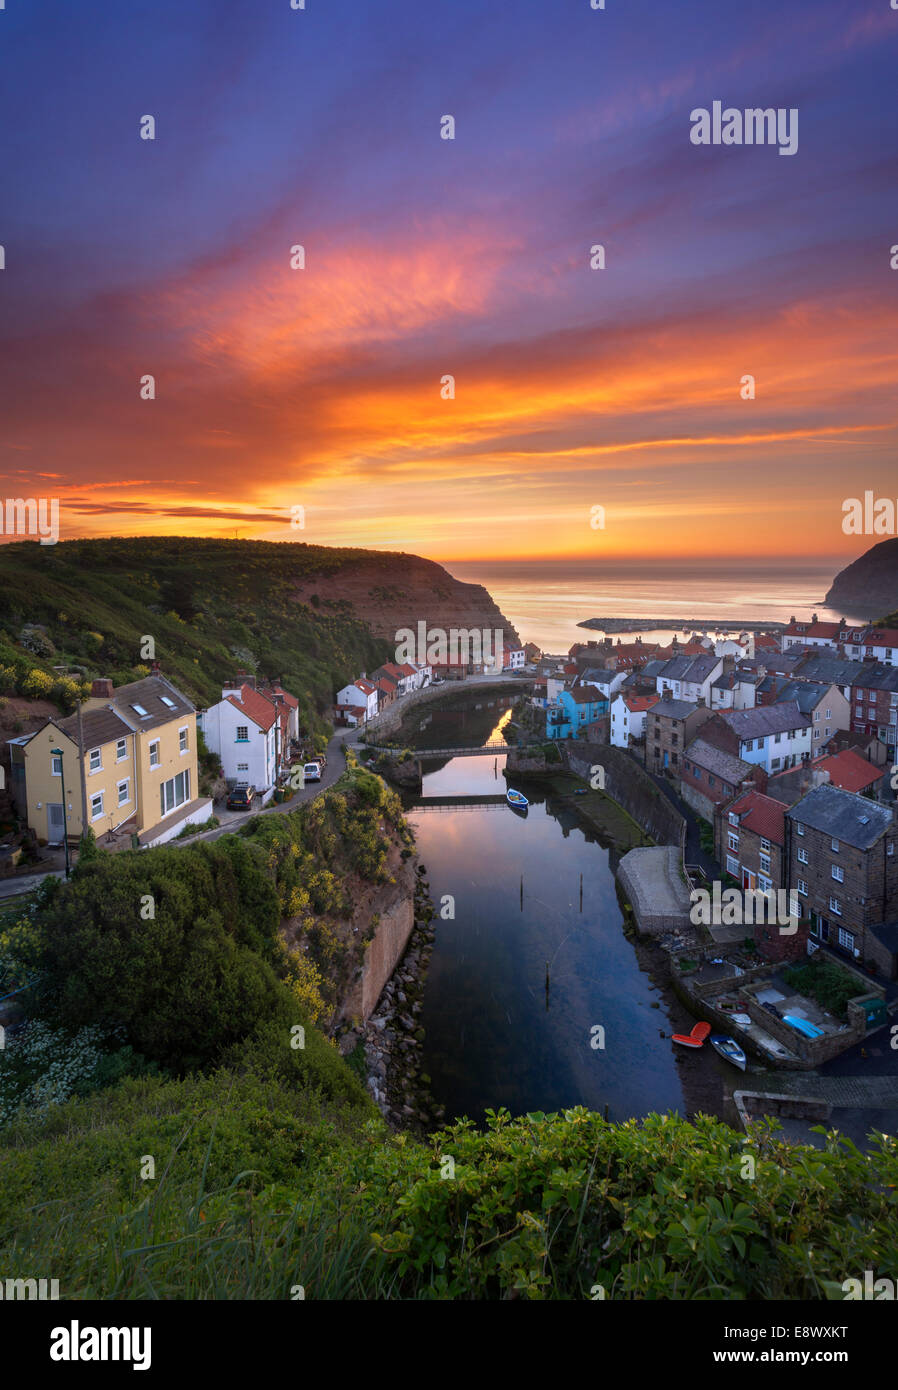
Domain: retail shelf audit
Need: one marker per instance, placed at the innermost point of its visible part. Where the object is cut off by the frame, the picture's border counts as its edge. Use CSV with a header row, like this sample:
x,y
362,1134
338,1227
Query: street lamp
x,y
57,753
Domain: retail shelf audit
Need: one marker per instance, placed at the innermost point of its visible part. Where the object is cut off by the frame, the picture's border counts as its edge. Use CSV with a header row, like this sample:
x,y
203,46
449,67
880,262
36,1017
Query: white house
x,y
689,678
513,659
771,736
628,717
361,692
243,730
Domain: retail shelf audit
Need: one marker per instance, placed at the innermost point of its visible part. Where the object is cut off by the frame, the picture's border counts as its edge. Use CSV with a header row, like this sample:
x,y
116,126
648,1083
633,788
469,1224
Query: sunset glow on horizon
x,y
574,388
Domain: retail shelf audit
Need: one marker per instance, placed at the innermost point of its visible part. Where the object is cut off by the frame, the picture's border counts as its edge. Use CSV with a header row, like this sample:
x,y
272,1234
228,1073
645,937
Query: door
x,y
55,823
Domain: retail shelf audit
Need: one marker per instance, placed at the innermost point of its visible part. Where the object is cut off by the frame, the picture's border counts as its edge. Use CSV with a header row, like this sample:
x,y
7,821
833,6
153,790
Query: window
x,y
846,939
96,806
765,884
710,780
799,828
890,846
829,714
835,845
859,711
139,710
764,860
175,792
123,793
732,865
243,733
96,760
765,845
777,738
733,841
243,767
121,750
838,873
774,764
816,716
154,753
182,739
56,765
802,856
836,907
803,887
734,819
166,701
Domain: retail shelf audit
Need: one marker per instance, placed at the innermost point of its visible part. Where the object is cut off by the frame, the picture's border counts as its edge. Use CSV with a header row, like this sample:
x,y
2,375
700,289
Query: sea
x,y
546,599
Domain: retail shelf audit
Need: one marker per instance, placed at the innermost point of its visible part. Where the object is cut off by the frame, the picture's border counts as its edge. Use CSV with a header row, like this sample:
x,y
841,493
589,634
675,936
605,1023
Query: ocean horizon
x,y
545,600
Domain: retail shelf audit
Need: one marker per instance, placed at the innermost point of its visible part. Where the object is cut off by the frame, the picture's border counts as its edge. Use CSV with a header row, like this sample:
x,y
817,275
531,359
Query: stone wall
x,y
630,786
382,727
397,918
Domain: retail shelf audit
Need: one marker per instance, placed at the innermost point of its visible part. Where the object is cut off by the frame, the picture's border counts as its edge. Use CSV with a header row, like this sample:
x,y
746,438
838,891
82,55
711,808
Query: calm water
x,y
490,1040
545,600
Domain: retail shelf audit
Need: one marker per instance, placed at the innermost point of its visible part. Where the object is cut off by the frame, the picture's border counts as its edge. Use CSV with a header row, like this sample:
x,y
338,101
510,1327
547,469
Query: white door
x,y
55,823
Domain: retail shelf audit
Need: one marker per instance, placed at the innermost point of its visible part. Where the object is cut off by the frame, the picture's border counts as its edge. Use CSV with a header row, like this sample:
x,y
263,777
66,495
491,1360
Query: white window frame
x,y
184,739
121,743
802,856
97,815
838,873
90,761
835,906
126,783
54,759
803,887
155,757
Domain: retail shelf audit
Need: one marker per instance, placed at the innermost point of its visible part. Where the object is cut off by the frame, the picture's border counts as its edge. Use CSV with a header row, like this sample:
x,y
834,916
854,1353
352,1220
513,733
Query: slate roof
x,y
726,766
99,726
674,709
689,668
149,693
843,815
806,694
764,720
833,670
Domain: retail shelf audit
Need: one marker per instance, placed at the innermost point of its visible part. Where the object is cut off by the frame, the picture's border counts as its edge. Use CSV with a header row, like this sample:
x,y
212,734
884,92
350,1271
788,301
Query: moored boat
x,y
516,799
729,1049
694,1039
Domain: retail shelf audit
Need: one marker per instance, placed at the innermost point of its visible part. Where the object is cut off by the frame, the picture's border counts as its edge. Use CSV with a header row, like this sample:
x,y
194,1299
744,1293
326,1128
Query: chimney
x,y
102,689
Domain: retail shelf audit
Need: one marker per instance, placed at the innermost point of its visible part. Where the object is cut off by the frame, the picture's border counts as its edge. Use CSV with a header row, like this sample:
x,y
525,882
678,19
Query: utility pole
x,y
81,766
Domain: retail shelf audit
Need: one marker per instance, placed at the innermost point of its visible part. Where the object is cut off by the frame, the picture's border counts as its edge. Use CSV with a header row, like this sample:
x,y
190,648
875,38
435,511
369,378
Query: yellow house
x,y
138,773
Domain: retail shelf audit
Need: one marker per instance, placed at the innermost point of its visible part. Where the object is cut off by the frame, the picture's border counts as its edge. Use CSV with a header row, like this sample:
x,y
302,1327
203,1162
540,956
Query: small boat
x,y
694,1039
516,799
729,1049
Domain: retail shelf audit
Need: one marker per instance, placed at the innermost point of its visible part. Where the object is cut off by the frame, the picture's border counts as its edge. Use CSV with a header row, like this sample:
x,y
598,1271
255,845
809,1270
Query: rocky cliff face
x,y
395,591
868,588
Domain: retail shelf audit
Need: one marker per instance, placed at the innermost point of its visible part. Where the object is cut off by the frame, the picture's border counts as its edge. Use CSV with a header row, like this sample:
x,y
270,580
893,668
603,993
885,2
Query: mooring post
x,y
581,892
547,986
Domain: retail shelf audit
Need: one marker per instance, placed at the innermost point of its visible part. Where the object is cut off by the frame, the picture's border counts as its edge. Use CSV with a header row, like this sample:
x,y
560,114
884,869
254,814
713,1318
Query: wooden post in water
x,y
547,986
581,892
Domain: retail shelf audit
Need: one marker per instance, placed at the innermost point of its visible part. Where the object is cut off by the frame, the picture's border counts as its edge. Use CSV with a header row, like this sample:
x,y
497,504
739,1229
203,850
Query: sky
x,y
596,412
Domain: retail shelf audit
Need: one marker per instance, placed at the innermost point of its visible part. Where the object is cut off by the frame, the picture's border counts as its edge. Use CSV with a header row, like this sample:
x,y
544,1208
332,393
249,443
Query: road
x,y
232,820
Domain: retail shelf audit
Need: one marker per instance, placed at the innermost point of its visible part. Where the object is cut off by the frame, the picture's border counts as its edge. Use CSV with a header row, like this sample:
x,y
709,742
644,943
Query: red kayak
x,y
693,1039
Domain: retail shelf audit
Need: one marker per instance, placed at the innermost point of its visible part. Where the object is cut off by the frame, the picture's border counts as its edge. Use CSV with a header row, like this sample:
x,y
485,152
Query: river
x,y
493,1036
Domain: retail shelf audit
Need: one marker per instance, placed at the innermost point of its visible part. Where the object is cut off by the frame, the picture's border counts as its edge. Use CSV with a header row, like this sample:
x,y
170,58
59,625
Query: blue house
x,y
574,710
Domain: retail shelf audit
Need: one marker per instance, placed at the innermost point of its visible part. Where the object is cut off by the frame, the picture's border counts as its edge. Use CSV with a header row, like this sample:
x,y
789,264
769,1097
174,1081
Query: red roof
x,y
849,770
637,703
407,670
881,637
289,700
255,706
762,814
357,710
387,685
818,629
765,641
365,686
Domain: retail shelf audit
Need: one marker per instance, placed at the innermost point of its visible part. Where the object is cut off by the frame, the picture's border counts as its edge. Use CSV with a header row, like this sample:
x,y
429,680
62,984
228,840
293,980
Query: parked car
x,y
241,798
312,772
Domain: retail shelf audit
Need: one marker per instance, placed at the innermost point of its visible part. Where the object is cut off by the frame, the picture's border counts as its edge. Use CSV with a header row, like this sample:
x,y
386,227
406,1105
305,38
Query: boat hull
x,y
729,1050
